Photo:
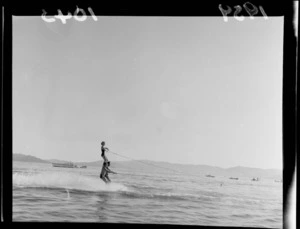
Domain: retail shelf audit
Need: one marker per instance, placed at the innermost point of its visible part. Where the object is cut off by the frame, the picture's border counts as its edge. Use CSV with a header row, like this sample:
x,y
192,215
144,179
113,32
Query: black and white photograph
x,y
148,119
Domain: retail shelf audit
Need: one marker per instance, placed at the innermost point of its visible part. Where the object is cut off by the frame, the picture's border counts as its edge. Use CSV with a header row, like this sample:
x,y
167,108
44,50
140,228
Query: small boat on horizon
x,y
233,178
65,165
255,179
210,176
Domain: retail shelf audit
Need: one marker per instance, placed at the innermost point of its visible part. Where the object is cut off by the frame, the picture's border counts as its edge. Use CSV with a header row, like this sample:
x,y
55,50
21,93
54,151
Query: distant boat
x,y
83,167
209,175
234,178
64,165
255,179
280,181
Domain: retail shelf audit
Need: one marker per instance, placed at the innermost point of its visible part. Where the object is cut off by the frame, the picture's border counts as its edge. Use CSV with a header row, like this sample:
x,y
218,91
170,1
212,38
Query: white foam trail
x,y
64,180
68,194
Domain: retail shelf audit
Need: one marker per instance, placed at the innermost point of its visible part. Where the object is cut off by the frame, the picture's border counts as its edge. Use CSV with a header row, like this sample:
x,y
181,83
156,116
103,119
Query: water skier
x,y
104,172
104,149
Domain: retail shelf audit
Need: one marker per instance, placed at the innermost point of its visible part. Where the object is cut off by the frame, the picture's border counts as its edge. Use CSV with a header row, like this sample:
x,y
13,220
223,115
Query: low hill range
x,y
166,167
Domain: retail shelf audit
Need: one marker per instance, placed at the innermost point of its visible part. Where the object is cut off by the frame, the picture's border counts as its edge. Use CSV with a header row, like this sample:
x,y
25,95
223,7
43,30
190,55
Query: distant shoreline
x,y
150,166
29,158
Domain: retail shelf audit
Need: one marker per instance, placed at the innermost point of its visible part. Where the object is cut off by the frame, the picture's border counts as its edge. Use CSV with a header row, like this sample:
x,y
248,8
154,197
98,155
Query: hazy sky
x,y
194,90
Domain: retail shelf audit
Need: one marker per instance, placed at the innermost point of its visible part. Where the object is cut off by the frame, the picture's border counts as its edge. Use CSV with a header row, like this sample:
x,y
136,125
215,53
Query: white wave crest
x,y
64,180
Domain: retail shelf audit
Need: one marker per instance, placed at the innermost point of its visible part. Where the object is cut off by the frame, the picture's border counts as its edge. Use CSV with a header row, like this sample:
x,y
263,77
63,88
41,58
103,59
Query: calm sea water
x,y
45,193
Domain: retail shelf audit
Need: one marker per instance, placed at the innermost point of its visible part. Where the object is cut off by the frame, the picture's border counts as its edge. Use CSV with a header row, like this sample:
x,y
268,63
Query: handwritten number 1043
x,y
64,18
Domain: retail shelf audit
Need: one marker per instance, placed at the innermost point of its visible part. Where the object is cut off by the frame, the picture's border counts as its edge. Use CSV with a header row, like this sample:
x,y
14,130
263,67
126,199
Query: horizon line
x,y
174,163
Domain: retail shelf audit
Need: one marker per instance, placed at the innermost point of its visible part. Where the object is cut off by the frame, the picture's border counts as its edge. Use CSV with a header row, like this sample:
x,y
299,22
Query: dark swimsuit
x,y
103,151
